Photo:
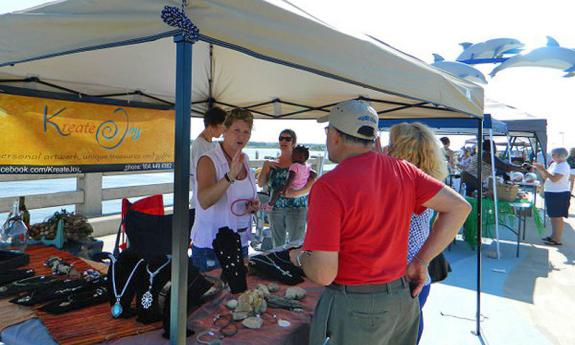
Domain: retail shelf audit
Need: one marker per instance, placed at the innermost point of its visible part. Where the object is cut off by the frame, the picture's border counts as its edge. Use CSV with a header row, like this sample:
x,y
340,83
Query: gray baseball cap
x,y
355,118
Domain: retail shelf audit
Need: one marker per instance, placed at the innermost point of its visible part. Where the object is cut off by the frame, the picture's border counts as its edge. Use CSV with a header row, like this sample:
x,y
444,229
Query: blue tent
x,y
452,126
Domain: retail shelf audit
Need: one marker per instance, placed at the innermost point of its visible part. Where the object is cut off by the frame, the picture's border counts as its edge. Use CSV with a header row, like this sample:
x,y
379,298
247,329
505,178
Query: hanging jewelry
x,y
117,307
148,298
268,261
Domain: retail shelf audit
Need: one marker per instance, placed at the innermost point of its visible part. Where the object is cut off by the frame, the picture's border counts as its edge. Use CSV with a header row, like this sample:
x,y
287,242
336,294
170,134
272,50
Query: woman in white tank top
x,y
224,178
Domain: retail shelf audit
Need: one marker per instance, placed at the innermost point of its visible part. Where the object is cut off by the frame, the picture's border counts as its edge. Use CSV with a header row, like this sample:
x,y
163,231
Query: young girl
x,y
299,173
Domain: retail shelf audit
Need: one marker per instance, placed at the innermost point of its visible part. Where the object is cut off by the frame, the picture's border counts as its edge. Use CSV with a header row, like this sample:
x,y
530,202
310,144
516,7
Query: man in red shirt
x,y
357,232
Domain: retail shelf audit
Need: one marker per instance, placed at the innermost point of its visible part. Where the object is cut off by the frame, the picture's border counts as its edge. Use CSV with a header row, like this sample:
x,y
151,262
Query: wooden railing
x,y
90,194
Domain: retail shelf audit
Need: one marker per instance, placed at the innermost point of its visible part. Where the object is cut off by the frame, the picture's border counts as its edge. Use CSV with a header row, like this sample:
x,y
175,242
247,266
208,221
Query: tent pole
x,y
479,223
181,223
494,183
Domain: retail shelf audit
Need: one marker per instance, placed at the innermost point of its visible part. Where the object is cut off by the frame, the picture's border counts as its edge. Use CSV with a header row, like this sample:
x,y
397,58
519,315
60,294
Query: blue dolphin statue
x,y
551,56
493,48
459,69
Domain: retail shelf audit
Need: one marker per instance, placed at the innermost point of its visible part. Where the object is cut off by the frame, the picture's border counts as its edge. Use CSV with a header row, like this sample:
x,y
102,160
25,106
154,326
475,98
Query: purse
x,y
439,268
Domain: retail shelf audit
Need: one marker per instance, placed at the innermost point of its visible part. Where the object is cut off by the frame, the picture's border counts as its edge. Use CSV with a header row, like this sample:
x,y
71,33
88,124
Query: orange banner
x,y
48,136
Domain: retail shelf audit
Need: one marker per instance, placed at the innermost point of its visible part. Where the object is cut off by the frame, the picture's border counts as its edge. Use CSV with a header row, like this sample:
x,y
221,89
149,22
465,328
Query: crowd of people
x,y
370,227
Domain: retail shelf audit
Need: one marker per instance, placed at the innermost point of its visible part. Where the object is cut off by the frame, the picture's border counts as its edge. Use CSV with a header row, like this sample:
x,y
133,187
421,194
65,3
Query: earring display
x,y
228,248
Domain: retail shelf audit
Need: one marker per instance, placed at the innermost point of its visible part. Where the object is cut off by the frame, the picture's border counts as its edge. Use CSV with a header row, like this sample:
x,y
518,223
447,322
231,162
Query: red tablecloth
x,y
270,333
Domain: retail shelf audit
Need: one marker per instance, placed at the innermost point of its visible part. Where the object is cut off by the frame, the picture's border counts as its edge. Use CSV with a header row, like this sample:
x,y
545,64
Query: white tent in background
x,y
267,56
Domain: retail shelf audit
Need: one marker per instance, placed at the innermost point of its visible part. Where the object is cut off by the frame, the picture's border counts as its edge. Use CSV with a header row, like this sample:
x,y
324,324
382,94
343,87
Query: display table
x,y
512,215
95,324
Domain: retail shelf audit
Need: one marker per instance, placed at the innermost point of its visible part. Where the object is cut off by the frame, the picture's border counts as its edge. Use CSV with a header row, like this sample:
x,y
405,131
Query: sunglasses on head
x,y
288,139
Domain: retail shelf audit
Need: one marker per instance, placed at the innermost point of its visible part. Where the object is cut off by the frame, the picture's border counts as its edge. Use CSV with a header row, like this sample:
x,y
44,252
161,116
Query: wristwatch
x,y
228,178
298,257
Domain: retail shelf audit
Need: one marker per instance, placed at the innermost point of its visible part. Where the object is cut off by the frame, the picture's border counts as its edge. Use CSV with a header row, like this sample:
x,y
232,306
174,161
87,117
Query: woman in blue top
x,y
417,144
289,212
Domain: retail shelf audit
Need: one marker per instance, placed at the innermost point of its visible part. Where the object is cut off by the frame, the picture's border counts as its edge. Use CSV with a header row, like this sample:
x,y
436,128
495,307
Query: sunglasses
x,y
288,139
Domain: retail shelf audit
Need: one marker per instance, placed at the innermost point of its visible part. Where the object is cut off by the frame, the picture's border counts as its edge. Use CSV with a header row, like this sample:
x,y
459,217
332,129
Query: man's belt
x,y
390,287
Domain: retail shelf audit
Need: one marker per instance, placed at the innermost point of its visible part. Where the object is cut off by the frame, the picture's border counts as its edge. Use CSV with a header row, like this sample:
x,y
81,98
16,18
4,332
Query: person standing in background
x,y
416,143
557,193
288,214
213,129
449,154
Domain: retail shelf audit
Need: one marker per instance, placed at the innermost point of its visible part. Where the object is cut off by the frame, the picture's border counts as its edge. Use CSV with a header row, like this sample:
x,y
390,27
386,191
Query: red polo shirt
x,y
362,209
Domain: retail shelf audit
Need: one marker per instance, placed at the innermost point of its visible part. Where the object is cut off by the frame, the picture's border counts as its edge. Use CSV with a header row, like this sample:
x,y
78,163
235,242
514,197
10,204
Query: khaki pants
x,y
352,316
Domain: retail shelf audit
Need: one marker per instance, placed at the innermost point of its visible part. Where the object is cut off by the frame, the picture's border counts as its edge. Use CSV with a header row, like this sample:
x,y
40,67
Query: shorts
x,y
557,204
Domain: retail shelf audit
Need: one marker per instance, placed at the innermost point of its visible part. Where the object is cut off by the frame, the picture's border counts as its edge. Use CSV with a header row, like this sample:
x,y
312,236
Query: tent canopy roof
x,y
452,126
518,122
267,56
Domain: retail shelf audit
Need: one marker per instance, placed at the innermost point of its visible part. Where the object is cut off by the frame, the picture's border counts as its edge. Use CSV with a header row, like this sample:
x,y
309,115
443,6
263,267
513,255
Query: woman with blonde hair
x,y
224,178
416,143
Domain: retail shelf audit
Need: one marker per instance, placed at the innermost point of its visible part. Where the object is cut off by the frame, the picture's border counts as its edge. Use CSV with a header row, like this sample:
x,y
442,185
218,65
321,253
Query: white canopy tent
x,y
249,53
267,56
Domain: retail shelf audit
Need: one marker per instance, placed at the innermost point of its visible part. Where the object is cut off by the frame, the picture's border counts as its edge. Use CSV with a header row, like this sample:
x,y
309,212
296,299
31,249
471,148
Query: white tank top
x,y
209,221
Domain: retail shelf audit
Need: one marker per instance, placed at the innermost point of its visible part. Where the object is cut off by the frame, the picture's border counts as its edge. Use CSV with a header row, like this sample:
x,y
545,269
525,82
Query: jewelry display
x,y
77,300
26,285
277,266
228,249
14,275
267,261
117,307
148,298
58,266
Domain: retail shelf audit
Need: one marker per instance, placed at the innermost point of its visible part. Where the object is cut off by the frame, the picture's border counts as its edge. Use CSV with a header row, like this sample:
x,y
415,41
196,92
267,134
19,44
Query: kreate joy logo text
x,y
107,134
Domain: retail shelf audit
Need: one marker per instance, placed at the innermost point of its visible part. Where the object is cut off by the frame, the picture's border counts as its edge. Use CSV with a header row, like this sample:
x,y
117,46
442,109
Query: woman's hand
x,y
539,166
270,165
236,165
253,206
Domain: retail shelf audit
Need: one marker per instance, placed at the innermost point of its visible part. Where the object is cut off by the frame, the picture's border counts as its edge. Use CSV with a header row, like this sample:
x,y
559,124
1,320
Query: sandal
x,y
552,242
547,239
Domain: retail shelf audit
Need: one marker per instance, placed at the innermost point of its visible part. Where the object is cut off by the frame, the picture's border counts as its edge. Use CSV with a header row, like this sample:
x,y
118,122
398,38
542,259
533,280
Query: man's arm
x,y
319,266
452,211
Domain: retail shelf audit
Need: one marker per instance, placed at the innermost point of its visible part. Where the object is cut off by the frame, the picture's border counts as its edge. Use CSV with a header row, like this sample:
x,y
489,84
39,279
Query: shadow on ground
x,y
510,276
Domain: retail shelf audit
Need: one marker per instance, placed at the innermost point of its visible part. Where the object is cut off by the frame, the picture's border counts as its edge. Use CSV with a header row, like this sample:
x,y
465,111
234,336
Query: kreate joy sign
x,y
39,135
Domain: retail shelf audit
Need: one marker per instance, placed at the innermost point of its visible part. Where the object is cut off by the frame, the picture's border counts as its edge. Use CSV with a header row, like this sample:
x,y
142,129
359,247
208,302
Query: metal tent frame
x,y
184,41
468,127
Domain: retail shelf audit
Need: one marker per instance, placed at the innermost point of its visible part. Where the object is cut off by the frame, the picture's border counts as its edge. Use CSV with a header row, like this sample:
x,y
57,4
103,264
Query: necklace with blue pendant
x,y
117,307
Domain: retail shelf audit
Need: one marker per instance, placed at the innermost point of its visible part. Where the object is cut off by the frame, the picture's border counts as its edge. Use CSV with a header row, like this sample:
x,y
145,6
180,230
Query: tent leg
x,y
181,223
479,224
495,193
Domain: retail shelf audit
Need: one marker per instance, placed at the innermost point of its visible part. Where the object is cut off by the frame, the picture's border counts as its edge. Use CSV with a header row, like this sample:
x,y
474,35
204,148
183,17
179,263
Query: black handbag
x,y
439,268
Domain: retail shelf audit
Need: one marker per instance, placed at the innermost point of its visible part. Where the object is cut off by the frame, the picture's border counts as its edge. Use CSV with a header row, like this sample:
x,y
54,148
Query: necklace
x,y
148,298
117,307
270,262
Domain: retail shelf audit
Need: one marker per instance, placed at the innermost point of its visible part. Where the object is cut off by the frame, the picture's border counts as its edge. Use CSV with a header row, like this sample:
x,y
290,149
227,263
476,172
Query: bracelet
x,y
421,261
228,178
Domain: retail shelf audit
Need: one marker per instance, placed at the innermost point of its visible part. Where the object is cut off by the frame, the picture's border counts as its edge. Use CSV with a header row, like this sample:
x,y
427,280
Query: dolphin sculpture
x,y
459,69
493,48
551,56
